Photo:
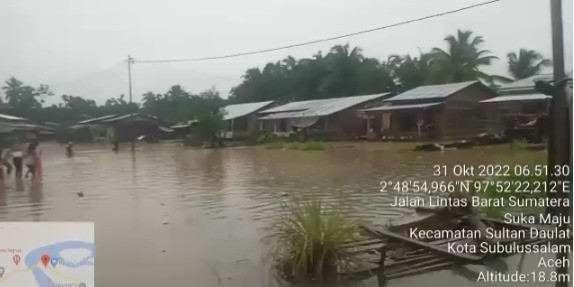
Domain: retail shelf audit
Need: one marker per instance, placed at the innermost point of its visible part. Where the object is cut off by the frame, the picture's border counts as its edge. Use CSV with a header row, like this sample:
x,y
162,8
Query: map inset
x,y
47,254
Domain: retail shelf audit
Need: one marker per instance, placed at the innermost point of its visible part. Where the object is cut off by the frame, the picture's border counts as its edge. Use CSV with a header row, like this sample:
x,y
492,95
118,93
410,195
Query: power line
x,y
321,40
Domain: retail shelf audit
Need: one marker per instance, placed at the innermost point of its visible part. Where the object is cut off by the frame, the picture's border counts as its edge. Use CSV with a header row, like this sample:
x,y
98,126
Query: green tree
x,y
79,103
343,65
526,64
210,116
306,78
463,58
23,98
342,72
117,106
411,72
12,89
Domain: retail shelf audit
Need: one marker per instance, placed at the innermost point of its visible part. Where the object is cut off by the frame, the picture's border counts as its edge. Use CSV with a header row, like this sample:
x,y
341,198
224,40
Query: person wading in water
x,y
31,159
6,157
69,149
17,159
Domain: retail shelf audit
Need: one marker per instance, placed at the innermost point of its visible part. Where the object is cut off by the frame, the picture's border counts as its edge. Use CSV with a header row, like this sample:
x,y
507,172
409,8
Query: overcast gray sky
x,y
77,46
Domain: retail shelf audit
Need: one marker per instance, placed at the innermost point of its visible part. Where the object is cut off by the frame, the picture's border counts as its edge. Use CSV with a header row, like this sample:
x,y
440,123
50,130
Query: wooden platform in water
x,y
390,253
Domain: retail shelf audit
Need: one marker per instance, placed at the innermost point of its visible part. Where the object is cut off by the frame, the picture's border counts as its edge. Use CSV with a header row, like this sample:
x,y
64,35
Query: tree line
x,y
343,71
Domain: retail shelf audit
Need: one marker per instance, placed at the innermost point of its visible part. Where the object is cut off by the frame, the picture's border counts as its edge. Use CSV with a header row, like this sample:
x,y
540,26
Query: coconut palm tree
x,y
463,58
527,63
411,72
343,64
12,88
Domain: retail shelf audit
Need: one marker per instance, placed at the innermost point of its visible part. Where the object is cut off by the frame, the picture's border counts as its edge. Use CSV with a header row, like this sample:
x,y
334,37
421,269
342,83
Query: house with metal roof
x,y
121,128
241,119
334,118
433,113
519,99
23,129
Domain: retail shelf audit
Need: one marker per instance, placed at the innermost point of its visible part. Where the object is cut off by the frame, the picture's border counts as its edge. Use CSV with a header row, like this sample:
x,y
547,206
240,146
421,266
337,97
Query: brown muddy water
x,y
174,216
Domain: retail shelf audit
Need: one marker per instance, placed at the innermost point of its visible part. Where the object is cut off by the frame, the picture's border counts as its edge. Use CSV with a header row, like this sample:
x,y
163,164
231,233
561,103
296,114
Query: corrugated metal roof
x,y
285,115
12,118
318,108
527,84
294,106
527,97
239,110
123,117
431,92
166,129
184,125
96,119
402,107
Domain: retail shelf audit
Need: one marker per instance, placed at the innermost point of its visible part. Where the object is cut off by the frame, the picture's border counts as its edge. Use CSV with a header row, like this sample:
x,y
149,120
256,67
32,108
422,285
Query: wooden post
x,y
381,275
232,128
130,61
559,143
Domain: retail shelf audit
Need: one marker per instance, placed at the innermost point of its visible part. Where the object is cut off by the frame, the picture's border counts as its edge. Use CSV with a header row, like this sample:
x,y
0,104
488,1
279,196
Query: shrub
x,y
292,146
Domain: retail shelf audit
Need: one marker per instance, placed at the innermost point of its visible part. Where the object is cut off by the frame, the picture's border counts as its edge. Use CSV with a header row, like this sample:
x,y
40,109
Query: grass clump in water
x,y
520,143
292,146
313,145
307,239
305,146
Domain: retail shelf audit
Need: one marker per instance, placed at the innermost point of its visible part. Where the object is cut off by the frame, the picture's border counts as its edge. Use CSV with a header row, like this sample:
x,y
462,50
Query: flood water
x,y
168,215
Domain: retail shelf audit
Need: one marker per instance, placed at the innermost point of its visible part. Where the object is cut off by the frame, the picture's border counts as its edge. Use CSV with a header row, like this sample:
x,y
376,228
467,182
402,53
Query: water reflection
x,y
173,216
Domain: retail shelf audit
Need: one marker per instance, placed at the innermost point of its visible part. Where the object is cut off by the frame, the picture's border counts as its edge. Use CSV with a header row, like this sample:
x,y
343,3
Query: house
x,y
133,127
241,119
87,130
183,129
17,128
519,99
433,112
122,128
334,119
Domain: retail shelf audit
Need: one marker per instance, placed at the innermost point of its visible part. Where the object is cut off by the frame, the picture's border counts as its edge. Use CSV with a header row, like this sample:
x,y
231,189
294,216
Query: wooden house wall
x,y
246,123
403,124
344,125
463,115
460,116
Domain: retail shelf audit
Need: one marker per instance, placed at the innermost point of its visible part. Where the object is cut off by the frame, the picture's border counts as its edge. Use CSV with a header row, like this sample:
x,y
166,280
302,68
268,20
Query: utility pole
x,y
130,61
559,143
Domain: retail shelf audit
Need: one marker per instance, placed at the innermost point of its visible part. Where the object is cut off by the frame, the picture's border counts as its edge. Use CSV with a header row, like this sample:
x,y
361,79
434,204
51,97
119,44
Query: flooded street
x,y
174,216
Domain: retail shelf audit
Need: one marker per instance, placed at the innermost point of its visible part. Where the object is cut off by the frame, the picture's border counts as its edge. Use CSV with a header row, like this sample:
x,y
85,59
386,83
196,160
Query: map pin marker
x,y
54,261
2,271
45,260
16,258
